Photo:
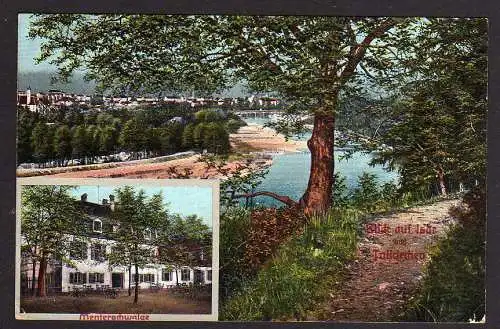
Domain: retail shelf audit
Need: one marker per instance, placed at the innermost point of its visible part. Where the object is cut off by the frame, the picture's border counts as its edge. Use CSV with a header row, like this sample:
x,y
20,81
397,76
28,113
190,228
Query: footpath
x,y
391,259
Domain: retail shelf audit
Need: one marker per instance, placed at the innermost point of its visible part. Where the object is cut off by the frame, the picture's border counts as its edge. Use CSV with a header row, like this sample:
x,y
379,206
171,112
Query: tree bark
x,y
136,279
129,280
33,277
41,291
318,195
442,186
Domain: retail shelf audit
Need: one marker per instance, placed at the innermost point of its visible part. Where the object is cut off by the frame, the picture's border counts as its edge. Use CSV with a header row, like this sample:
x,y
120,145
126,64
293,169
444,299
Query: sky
x,y
28,49
35,75
182,200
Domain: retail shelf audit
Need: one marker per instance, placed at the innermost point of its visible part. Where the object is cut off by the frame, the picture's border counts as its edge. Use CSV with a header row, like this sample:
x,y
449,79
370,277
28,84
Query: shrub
x,y
234,226
292,283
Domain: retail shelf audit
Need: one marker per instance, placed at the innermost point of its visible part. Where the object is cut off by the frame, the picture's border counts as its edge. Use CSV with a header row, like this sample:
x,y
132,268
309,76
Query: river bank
x,y
249,142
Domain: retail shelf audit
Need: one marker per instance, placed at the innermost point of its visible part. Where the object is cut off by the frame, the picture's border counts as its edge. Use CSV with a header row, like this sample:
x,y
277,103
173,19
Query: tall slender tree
x,y
138,219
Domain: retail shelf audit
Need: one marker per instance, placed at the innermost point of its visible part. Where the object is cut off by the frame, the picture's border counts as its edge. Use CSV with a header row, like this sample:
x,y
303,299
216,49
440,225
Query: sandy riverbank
x,y
251,138
258,138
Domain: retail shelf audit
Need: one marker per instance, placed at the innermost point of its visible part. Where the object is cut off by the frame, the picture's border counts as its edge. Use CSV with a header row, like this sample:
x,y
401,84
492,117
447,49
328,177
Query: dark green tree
x,y
62,143
26,121
439,134
42,142
188,136
79,142
48,215
133,137
216,138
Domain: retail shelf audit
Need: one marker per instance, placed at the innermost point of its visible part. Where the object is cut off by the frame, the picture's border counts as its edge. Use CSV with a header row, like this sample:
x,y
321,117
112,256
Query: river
x,y
289,173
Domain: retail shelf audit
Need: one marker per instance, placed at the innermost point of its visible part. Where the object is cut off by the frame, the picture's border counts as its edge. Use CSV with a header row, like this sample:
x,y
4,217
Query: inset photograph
x,y
131,250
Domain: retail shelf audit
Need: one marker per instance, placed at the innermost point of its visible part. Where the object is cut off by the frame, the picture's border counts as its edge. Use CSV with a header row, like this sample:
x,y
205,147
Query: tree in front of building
x,y
137,219
48,216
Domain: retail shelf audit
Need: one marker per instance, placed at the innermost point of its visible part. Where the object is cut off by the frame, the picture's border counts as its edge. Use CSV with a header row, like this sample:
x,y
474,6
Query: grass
x,y
149,303
296,278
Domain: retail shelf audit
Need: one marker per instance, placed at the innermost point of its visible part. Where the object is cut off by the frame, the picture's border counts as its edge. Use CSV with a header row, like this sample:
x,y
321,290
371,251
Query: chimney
x,y
84,197
112,202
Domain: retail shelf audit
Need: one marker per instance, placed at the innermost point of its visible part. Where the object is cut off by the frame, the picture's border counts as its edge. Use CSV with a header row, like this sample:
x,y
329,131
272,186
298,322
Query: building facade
x,y
87,265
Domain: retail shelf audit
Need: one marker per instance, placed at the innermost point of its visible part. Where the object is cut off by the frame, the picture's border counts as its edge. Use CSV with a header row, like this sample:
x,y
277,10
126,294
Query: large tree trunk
x,y
136,295
41,291
318,196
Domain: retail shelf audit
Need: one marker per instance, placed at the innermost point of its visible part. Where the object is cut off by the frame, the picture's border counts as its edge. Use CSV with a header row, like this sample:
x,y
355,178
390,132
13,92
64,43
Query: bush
x,y
291,284
234,226
453,288
368,197
232,125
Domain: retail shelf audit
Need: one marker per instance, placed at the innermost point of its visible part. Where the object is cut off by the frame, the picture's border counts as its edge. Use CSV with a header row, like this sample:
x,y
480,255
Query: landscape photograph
x,y
125,252
350,151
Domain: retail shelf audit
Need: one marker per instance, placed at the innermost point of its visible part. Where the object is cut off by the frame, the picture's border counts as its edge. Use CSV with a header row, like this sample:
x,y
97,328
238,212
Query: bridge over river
x,y
269,114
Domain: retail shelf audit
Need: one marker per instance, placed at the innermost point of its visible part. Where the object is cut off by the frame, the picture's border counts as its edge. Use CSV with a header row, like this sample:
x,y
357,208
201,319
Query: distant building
x,y
26,100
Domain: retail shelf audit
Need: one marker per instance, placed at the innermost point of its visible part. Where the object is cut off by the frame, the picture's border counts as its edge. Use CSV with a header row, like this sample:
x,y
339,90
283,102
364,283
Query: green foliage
x,y
42,142
233,269
369,196
292,283
216,138
26,121
290,55
132,137
48,215
232,125
79,142
453,287
188,136
146,131
62,142
366,195
440,117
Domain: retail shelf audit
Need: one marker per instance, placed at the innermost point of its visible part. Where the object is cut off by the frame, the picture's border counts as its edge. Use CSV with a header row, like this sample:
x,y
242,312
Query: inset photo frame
x,y
117,249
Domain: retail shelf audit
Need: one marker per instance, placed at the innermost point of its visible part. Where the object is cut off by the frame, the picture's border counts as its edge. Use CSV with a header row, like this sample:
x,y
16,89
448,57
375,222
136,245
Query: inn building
x,y
87,266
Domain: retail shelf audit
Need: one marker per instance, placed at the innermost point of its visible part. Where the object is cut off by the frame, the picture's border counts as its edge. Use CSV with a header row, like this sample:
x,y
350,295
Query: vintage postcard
x,y
350,152
117,250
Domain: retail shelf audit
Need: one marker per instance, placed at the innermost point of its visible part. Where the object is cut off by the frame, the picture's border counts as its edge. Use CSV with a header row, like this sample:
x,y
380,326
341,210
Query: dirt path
x,y
390,264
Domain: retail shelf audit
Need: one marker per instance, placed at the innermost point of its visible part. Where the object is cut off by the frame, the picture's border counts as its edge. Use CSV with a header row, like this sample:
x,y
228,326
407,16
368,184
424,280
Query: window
x,y
209,275
96,277
78,250
97,226
98,252
147,234
166,275
185,274
77,278
145,277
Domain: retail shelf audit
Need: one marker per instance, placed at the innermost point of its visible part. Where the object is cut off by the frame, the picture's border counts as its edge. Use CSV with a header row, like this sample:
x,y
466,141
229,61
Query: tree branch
x,y
357,52
282,198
